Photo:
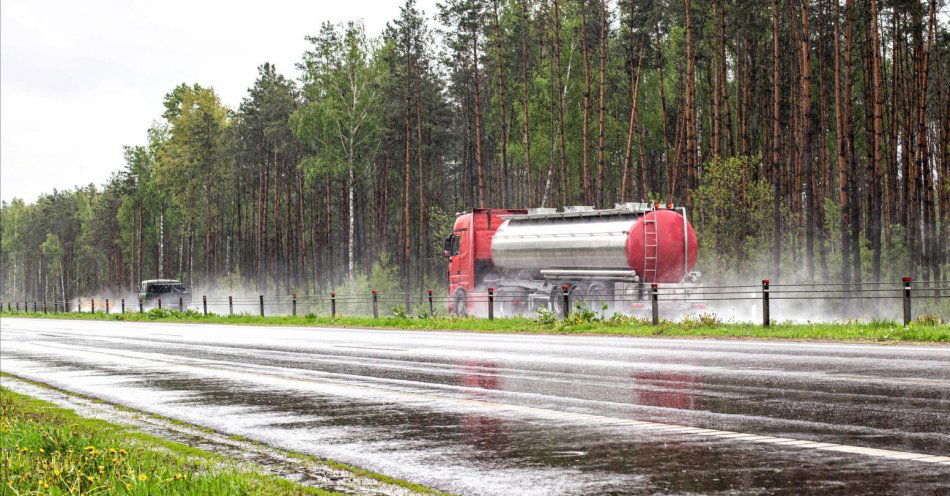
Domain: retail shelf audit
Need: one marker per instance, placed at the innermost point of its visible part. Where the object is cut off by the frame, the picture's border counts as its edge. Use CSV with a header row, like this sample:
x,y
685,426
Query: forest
x,y
809,139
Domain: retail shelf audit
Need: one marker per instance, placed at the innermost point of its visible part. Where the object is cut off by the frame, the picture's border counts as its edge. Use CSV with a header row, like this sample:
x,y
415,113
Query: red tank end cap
x,y
429,291
669,246
907,279
491,290
565,287
374,292
765,281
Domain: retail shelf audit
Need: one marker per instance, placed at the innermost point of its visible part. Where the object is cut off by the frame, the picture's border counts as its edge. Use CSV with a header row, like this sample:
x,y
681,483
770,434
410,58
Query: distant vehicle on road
x,y
168,290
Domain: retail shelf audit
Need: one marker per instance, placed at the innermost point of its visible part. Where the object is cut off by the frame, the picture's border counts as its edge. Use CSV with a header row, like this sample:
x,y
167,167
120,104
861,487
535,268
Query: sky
x,y
81,79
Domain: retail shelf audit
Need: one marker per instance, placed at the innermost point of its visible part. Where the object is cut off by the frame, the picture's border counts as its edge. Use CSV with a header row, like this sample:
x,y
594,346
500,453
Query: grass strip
x,y
925,329
45,449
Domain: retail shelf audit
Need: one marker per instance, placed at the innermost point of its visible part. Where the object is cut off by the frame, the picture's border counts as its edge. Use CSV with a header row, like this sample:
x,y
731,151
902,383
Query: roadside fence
x,y
764,303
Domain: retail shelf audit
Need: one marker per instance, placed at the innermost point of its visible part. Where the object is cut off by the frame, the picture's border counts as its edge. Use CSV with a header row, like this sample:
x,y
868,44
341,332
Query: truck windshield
x,y
166,288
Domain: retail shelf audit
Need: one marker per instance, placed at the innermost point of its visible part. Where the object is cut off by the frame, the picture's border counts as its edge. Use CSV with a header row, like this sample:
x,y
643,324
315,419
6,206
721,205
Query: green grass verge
x,y
358,471
926,328
51,450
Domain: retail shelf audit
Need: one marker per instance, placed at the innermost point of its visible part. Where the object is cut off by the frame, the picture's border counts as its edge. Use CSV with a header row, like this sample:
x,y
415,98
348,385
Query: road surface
x,y
478,413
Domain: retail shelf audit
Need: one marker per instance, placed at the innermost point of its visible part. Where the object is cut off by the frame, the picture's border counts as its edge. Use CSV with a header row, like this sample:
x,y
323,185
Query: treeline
x,y
810,138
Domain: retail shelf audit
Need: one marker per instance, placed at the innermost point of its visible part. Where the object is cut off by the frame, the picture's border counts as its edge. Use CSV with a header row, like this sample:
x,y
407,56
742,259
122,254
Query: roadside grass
x,y
926,328
51,450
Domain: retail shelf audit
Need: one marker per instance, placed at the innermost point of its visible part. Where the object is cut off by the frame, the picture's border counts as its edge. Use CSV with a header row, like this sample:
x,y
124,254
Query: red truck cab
x,y
468,249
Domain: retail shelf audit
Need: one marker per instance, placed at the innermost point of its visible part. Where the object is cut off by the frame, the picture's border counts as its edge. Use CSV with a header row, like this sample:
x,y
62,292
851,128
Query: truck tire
x,y
557,297
461,303
511,302
592,296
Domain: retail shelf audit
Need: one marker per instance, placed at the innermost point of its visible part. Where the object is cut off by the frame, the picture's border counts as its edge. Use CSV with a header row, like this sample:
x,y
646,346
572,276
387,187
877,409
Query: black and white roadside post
x,y
230,306
65,306
565,301
44,306
765,303
906,301
123,305
181,304
107,306
34,306
260,298
431,307
333,304
293,305
159,303
654,300
491,303
204,305
18,306
93,303
141,306
79,306
375,304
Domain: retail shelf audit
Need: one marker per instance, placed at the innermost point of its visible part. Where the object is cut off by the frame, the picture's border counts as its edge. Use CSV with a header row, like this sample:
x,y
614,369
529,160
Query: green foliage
x,y
549,322
733,215
47,450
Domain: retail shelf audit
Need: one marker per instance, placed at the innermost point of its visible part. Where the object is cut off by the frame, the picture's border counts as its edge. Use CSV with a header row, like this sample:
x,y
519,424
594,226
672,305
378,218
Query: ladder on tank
x,y
650,249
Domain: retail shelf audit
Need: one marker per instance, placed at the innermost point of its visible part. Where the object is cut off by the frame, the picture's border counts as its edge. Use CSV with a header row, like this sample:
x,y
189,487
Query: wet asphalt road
x,y
528,414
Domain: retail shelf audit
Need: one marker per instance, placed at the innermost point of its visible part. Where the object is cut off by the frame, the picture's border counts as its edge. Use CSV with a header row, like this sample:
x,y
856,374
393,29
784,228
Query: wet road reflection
x,y
518,414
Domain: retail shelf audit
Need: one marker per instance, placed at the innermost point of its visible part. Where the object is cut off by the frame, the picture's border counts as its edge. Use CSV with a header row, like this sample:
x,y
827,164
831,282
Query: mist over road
x,y
479,413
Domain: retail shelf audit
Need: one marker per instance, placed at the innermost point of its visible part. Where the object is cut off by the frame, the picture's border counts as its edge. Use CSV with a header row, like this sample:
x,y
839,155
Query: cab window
x,y
455,244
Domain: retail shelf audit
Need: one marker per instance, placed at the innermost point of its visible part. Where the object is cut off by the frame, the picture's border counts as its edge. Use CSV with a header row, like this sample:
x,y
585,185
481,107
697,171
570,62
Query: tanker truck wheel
x,y
511,302
557,297
592,297
461,303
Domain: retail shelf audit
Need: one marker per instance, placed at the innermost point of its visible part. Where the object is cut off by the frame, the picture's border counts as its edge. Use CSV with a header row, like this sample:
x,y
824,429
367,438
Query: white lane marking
x,y
338,388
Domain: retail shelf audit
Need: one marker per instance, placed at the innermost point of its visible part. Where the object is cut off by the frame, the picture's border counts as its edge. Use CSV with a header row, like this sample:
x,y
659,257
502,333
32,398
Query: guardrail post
x,y
107,306
906,301
230,306
375,304
261,299
565,303
654,300
93,303
765,303
294,304
333,304
431,307
123,305
204,305
491,303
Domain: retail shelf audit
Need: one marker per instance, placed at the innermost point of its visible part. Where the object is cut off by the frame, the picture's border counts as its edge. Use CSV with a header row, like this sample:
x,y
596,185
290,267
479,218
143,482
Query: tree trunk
x,y
585,123
478,122
808,129
560,102
526,98
634,91
502,108
603,71
776,168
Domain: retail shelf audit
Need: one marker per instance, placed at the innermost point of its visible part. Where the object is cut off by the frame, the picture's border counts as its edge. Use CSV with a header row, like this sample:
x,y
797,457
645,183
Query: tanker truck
x,y
530,257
